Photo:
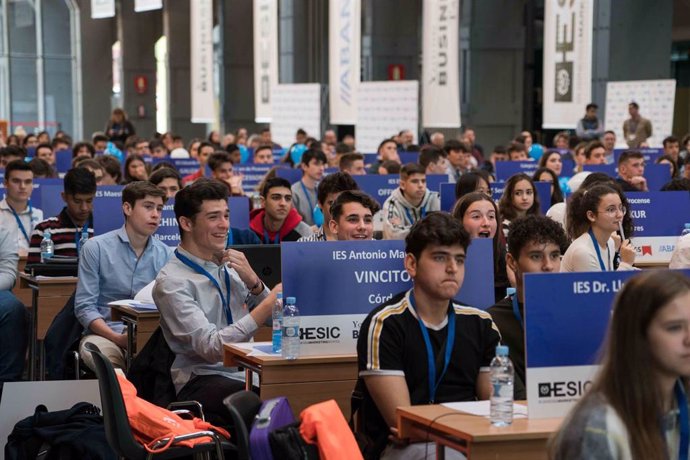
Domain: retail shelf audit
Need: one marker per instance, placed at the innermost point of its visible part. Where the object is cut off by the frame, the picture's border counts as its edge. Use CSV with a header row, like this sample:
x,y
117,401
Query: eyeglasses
x,y
612,210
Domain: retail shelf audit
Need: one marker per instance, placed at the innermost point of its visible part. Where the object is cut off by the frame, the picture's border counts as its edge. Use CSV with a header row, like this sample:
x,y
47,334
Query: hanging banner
x,y
567,61
344,50
440,67
201,19
147,5
102,9
265,57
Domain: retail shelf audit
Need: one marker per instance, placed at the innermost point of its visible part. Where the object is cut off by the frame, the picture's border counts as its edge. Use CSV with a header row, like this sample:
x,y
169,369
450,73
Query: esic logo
x,y
563,389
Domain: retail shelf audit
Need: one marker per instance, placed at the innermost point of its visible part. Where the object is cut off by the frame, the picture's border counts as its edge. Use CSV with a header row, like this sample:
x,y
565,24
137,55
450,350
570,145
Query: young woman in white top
x,y
637,406
594,216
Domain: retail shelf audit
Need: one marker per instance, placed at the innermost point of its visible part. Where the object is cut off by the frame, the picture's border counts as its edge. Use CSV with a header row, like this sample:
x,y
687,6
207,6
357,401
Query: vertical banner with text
x,y
201,20
102,9
440,67
567,61
265,57
344,50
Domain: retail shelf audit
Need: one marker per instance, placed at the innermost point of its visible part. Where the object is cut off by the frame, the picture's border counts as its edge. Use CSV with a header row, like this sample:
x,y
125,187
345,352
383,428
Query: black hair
x,y
216,159
670,140
165,173
430,154
467,183
391,167
79,145
353,196
634,104
16,165
591,105
131,159
111,166
231,148
163,165
13,151
556,193
674,164
505,204
263,147
334,183
79,181
411,168
384,142
588,199
313,154
452,144
41,168
139,190
591,146
677,185
189,200
629,155
342,148
348,159
272,183
437,228
43,146
99,138
537,229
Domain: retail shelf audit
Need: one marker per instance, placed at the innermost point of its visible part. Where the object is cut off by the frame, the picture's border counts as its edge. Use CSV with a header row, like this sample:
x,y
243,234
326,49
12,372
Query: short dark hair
x,y
272,183
676,185
165,173
260,148
430,154
87,163
591,146
629,155
99,138
609,132
16,165
78,146
41,168
348,159
591,105
634,104
343,148
467,183
385,141
301,132
516,147
353,196
313,154
189,200
537,229
79,180
670,140
391,166
410,169
13,151
217,159
139,190
437,228
231,148
452,144
111,166
335,183
44,145
60,140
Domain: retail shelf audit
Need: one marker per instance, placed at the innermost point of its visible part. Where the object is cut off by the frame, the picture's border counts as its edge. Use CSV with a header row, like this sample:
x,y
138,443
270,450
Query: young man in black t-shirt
x,y
536,244
412,340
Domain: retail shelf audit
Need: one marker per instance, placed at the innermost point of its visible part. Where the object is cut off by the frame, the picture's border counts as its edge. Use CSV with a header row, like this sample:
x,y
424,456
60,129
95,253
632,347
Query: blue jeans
x,y
13,337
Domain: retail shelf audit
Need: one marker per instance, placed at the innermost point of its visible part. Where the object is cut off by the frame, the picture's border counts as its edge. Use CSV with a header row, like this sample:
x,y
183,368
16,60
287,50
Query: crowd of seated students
x,y
208,294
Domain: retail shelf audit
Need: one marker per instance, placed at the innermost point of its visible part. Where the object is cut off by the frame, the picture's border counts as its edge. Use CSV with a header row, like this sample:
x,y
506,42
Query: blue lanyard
x,y
682,400
19,221
228,243
306,193
202,271
409,216
596,248
431,360
79,235
516,310
276,240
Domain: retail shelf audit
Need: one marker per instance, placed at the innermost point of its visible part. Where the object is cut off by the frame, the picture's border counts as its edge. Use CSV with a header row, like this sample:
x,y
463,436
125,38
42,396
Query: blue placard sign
x,y
63,160
51,199
107,209
239,212
253,175
506,169
292,175
609,170
650,155
657,176
381,186
447,196
408,157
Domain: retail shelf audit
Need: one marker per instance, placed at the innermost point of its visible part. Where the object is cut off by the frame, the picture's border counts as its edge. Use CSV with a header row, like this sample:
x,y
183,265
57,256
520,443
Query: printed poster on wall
x,y
201,23
344,51
385,108
440,67
567,61
295,106
656,99
265,57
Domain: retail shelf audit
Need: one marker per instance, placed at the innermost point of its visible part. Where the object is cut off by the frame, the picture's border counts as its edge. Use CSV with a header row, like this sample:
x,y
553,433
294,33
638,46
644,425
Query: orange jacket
x,y
323,424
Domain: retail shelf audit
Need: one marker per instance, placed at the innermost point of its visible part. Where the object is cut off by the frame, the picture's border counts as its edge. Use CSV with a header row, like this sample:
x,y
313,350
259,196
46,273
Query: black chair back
x,y
243,407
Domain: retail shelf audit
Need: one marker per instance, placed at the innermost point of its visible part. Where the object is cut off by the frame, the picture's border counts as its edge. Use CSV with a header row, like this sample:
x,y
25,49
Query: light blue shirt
x,y
109,270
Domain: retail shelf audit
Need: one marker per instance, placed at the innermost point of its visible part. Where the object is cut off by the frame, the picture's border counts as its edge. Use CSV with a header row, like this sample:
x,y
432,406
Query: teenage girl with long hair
x,y
519,199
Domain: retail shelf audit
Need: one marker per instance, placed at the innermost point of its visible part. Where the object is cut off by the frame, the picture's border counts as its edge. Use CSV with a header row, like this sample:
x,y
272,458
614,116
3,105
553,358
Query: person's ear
x,y
186,223
591,216
127,209
511,263
411,264
333,226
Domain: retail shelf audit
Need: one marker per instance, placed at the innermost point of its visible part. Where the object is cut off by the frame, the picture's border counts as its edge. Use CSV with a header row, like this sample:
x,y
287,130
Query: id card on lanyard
x,y
597,249
431,359
202,271
20,224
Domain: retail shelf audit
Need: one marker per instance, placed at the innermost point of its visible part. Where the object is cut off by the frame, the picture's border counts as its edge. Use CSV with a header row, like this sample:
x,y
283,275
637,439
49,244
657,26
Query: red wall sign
x,y
141,84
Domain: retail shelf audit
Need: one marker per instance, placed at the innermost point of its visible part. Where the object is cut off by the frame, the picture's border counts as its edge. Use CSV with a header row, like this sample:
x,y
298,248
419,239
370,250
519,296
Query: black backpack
x,y
67,434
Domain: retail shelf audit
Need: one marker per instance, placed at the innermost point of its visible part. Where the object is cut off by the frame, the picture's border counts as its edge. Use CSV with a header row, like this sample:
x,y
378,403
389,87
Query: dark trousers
x,y
210,391
13,337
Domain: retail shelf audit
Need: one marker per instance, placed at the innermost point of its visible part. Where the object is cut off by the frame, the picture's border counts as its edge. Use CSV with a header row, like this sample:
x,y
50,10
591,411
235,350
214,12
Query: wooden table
x,y
474,435
48,296
24,293
140,324
304,381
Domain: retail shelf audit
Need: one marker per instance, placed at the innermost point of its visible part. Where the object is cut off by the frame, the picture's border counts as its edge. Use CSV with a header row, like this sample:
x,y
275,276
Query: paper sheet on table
x,y
143,301
145,295
483,408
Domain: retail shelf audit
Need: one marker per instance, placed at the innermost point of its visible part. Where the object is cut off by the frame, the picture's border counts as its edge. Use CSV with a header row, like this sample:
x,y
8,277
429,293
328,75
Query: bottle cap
x,y
501,350
46,233
510,291
291,300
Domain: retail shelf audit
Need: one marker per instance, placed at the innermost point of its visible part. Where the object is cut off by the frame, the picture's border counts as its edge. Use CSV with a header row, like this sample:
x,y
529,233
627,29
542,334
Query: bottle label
x,y
291,331
276,325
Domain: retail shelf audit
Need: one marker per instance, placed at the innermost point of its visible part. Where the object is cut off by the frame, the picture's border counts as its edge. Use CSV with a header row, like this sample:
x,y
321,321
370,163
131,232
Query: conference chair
x,y
117,428
243,407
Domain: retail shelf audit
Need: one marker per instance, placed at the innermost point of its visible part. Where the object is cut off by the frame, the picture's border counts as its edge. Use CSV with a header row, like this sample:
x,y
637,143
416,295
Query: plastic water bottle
x,y
290,339
277,316
47,247
686,230
502,376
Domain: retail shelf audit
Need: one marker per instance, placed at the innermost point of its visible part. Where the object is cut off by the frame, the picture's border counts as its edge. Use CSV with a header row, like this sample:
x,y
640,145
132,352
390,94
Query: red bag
x,y
151,423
